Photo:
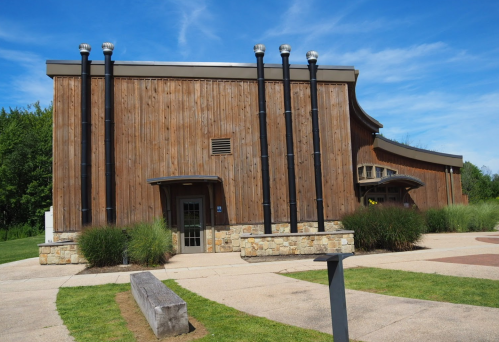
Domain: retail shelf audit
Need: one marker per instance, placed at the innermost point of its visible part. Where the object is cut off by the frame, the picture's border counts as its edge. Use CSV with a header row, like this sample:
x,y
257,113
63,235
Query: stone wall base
x,y
236,238
228,238
293,244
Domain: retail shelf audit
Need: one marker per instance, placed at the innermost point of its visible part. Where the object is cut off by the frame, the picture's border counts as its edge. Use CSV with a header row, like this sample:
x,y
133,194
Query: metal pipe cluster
x,y
86,186
312,56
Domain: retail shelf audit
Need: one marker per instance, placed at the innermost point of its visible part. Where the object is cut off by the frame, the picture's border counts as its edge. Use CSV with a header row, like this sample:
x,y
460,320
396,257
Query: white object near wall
x,y
49,225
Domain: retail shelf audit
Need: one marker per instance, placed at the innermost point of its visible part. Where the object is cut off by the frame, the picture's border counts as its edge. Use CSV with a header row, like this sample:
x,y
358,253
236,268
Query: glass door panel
x,y
191,225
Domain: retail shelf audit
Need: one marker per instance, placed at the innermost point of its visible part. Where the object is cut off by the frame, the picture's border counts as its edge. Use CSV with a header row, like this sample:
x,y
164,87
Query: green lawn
x,y
472,291
20,249
92,314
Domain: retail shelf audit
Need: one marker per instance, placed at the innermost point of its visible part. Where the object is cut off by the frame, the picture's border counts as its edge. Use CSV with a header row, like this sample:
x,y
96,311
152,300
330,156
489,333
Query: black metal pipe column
x,y
312,67
85,130
264,148
108,77
285,50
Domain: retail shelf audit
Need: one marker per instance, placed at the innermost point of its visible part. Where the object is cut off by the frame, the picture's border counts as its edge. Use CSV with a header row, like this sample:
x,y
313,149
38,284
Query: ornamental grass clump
x,y
484,217
149,243
401,227
385,226
436,220
460,218
364,223
102,246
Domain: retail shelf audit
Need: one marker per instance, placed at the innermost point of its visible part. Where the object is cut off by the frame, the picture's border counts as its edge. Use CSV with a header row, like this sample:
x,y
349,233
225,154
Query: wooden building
x,y
186,147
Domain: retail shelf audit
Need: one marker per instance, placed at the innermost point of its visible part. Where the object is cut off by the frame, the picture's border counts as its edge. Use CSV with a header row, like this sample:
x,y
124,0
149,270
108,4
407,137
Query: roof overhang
x,y
184,179
240,71
417,153
394,180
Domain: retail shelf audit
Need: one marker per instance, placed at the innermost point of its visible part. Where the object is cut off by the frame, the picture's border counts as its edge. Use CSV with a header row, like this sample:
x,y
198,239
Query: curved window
x,y
371,171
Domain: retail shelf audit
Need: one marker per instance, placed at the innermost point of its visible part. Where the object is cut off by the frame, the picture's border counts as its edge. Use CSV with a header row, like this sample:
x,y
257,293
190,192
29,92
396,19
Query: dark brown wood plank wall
x,y
163,127
66,152
337,169
433,194
98,168
276,132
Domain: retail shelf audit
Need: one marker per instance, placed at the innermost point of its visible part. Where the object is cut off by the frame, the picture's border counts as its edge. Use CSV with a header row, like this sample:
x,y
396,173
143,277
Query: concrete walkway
x,y
28,292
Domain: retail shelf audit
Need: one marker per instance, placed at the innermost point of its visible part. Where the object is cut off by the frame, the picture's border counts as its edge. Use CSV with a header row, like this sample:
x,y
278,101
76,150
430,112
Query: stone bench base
x,y
165,311
60,253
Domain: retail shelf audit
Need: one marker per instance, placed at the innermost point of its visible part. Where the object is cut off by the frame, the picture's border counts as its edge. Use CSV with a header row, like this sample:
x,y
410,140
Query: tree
x,y
475,184
25,165
495,186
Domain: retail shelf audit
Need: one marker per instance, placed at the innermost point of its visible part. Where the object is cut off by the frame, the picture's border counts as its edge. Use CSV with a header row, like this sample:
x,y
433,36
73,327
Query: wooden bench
x,y
165,311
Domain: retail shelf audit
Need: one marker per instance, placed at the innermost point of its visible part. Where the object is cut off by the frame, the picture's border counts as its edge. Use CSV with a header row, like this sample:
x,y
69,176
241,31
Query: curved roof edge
x,y
417,153
371,123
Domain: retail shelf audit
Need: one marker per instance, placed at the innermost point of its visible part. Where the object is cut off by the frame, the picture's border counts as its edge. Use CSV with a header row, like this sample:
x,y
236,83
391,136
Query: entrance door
x,y
191,225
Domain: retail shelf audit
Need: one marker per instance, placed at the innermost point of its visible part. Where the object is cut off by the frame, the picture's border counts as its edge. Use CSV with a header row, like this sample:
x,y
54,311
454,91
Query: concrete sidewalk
x,y
28,292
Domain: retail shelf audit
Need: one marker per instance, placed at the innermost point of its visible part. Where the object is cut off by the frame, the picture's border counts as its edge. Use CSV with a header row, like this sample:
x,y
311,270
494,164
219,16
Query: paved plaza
x,y
28,292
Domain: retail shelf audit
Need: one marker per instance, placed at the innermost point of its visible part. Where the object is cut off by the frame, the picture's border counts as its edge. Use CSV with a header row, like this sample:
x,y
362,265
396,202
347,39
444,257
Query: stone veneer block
x,y
165,311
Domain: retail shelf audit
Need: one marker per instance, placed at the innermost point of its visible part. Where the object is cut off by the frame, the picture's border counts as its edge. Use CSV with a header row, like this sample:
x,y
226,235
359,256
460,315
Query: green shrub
x,y
436,220
19,231
102,246
385,226
149,242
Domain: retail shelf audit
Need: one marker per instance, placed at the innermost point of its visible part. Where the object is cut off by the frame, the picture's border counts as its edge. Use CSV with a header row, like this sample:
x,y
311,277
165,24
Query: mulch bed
x,y
138,325
119,268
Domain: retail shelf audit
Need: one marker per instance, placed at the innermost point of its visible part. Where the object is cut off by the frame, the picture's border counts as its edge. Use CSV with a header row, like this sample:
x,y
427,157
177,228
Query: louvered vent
x,y
220,146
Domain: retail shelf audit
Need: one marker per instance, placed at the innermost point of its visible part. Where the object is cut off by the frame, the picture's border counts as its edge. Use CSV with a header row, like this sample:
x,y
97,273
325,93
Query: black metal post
x,y
337,294
312,67
262,104
285,51
108,75
85,130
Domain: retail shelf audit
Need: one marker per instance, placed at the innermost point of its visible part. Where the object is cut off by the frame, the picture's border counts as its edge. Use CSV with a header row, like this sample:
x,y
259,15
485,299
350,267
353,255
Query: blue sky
x,y
429,70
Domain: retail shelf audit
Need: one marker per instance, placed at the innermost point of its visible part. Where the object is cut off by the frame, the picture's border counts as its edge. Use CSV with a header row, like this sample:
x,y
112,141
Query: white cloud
x,y
21,57
299,20
31,84
11,31
449,123
393,64
195,21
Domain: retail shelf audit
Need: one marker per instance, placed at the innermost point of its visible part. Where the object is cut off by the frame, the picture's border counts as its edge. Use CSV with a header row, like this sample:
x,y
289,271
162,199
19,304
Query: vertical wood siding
x,y
433,194
163,128
66,153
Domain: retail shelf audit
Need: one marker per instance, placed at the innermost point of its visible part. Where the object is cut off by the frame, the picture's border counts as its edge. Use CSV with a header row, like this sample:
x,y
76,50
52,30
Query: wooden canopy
x,y
396,180
184,179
